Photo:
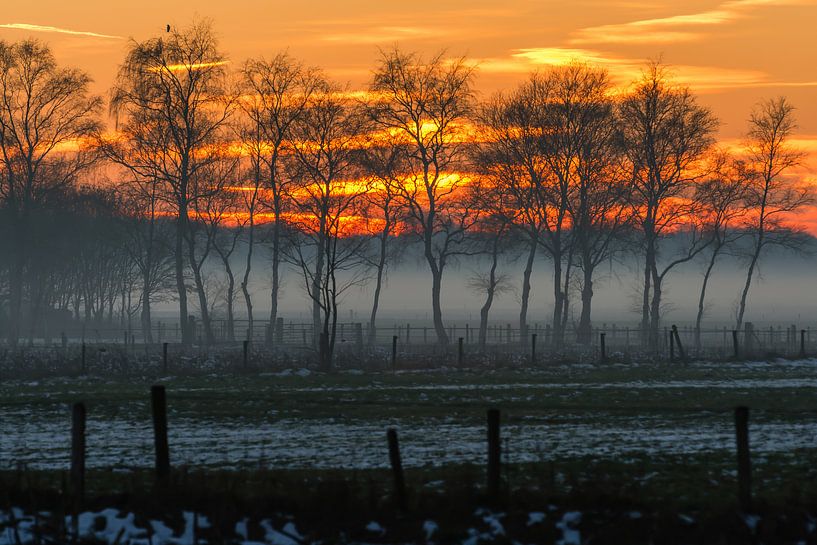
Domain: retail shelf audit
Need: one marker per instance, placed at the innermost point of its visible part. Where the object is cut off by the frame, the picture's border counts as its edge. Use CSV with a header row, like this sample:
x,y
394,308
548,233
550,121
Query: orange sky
x,y
732,52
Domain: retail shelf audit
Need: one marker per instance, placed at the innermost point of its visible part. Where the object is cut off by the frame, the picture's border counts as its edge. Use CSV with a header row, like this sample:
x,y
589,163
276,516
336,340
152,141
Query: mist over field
x,y
784,292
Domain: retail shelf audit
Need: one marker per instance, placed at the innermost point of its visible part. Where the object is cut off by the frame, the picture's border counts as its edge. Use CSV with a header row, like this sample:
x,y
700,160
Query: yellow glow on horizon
x,y
188,66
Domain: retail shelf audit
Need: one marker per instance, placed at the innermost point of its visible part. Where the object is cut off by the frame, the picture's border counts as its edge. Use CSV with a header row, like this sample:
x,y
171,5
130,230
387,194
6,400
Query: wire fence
x,y
407,345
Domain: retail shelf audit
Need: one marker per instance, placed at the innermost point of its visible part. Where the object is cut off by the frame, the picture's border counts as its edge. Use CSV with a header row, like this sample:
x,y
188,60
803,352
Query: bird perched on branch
x,y
167,29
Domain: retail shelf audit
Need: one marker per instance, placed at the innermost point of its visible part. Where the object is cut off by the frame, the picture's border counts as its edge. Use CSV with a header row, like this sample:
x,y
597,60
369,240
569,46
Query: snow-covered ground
x,y
36,433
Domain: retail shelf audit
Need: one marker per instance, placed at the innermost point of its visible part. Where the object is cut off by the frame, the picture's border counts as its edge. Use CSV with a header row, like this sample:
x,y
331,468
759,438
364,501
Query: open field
x,y
302,419
640,451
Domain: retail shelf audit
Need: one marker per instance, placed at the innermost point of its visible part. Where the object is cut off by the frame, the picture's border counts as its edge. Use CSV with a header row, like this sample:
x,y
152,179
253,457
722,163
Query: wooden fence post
x,y
82,367
397,469
159,405
494,453
460,354
602,348
394,352
246,345
681,352
164,358
744,462
78,452
671,347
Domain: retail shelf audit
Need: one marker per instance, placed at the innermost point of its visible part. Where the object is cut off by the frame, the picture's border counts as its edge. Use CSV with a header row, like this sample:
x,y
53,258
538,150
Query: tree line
x,y
192,161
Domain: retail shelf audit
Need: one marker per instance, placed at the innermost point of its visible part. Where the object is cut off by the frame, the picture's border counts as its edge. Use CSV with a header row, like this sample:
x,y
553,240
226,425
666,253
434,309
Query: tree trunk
x,y
181,287
525,298
655,309
645,296
566,293
316,290
489,299
702,299
276,260
147,334
558,300
381,264
245,281
436,305
749,274
205,312
230,300
585,331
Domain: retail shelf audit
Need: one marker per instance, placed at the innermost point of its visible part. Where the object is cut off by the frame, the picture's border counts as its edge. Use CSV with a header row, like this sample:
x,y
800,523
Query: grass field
x,y
656,439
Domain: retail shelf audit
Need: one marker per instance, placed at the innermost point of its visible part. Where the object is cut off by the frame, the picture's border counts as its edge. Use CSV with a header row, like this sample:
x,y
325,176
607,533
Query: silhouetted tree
x,y
46,115
328,201
276,93
509,155
722,197
210,211
597,183
234,215
383,164
665,136
148,240
491,236
423,104
172,104
771,193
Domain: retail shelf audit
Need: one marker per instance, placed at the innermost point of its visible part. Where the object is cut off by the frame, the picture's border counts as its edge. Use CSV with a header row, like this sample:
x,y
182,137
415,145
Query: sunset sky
x,y
733,53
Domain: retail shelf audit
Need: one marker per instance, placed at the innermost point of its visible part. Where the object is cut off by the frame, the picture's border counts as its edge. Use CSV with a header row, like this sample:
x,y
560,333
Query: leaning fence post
x,y
397,468
159,405
78,451
744,463
602,348
493,454
460,354
681,352
735,343
802,343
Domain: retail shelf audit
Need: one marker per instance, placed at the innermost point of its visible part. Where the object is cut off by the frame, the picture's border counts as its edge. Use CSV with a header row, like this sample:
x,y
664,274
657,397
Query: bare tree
x,y
149,243
231,211
209,213
172,104
509,155
665,135
599,192
276,93
492,238
722,198
771,193
383,165
328,201
423,105
46,116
